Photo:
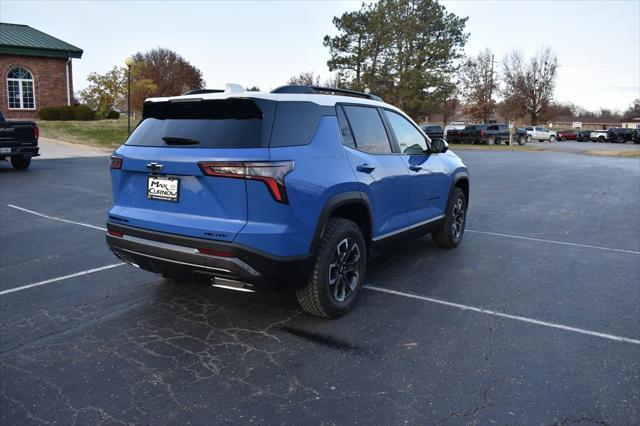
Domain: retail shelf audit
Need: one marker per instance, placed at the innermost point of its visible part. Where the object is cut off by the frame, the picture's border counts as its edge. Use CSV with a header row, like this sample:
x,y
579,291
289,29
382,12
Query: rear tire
x,y
522,140
20,163
491,140
451,230
338,272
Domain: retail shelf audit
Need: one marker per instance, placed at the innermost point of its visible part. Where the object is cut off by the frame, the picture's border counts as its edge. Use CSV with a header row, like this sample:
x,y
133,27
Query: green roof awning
x,y
17,39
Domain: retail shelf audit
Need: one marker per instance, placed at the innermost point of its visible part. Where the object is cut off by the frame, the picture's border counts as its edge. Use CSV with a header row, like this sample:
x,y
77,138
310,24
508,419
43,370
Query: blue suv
x,y
293,188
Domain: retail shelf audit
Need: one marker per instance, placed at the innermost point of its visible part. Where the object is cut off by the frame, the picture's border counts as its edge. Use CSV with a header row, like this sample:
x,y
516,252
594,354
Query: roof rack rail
x,y
303,89
201,91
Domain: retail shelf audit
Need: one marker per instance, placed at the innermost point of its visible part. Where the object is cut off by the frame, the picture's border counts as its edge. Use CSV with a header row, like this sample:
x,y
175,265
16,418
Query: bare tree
x,y
307,78
478,86
532,82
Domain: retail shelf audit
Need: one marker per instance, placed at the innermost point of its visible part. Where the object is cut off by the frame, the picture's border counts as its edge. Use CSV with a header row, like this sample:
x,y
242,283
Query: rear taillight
x,y
115,163
271,173
115,233
481,133
36,133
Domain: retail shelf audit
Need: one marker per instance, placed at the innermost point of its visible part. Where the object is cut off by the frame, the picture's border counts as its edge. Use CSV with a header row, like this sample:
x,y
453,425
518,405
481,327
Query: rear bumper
x,y
22,151
178,257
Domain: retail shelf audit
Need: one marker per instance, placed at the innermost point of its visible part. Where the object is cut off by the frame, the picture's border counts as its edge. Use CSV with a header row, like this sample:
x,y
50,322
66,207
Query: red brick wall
x,y
49,77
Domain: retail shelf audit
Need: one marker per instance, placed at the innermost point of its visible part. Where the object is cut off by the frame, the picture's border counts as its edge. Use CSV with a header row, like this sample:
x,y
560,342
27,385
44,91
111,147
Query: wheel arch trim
x,y
332,204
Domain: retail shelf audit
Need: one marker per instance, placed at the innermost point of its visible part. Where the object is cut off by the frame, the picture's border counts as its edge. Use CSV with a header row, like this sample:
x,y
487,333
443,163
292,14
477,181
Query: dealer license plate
x,y
163,188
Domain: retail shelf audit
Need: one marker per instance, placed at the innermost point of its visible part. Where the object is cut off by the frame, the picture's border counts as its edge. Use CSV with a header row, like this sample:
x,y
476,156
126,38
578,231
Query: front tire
x,y
20,163
338,272
522,140
451,230
552,138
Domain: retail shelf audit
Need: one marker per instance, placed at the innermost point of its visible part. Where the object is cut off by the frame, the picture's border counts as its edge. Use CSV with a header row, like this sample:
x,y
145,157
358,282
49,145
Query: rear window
x,y
228,123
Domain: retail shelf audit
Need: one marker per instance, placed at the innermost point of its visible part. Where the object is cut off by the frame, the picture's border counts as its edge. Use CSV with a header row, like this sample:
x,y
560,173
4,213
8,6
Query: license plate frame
x,y
5,150
164,187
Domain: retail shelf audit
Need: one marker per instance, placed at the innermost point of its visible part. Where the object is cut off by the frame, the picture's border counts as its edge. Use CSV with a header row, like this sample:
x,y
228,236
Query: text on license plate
x,y
163,188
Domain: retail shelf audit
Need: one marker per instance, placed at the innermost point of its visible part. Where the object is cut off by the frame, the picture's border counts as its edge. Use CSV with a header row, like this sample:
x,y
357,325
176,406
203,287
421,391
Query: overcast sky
x,y
264,43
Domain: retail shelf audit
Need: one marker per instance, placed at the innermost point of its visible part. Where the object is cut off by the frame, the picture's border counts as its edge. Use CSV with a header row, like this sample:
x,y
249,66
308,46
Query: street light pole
x,y
129,62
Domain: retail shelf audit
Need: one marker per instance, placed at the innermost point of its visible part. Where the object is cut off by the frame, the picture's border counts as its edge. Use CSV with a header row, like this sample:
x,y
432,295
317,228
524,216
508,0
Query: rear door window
x,y
368,131
228,123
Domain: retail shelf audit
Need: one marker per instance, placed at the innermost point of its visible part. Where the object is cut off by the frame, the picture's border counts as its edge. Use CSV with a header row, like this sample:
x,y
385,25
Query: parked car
x,y
620,135
454,125
262,191
18,142
567,135
598,136
537,133
636,136
434,131
583,136
490,134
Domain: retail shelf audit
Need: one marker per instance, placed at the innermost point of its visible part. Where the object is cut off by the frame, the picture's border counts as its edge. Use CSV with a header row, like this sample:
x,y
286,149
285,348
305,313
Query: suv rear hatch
x,y
158,176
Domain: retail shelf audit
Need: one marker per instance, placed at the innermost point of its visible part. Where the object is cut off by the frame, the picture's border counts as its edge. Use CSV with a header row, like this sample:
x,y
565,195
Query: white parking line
x,y
66,277
503,315
55,218
553,241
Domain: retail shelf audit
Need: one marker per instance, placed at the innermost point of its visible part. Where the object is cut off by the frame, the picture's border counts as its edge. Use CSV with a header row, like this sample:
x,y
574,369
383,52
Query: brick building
x,y
35,69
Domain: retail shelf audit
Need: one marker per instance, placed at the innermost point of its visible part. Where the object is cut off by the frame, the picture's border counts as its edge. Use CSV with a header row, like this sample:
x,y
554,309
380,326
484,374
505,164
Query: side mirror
x,y
438,146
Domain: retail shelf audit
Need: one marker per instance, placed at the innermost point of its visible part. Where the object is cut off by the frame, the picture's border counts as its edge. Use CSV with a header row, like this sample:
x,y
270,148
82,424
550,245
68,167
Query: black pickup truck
x,y
491,134
433,131
622,135
18,142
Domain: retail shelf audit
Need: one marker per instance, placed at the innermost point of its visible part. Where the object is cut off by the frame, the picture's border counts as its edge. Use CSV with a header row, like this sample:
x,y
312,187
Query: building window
x,y
20,89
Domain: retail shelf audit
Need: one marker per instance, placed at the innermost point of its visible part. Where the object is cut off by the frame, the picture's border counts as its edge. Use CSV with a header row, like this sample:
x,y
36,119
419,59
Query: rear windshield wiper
x,y
171,140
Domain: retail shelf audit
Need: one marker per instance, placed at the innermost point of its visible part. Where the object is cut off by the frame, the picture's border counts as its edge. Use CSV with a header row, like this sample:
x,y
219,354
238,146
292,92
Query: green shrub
x,y
66,113
113,115
49,113
83,113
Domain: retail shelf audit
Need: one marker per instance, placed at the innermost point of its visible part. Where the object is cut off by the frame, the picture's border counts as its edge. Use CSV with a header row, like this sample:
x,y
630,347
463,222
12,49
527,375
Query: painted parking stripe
x,y
66,277
495,234
56,218
503,315
520,237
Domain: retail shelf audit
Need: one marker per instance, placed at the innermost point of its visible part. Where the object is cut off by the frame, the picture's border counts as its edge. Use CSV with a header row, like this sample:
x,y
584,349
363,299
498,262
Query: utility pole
x,y
491,80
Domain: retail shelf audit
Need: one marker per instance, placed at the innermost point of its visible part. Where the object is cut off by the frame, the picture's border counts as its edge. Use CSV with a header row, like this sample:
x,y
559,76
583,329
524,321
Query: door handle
x,y
415,168
366,168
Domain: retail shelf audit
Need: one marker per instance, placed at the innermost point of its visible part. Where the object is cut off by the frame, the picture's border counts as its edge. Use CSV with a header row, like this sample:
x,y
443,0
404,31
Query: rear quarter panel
x,y
321,171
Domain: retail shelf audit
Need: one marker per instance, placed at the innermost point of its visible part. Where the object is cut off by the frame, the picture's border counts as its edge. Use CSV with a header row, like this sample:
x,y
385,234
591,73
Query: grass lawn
x,y
481,147
610,153
100,133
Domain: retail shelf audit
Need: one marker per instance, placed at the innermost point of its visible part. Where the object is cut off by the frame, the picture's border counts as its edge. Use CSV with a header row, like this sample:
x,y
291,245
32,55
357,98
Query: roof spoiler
x,y
310,90
228,88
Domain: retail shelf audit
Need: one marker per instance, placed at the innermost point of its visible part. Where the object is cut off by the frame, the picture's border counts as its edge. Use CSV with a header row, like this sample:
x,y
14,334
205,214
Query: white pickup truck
x,y
537,133
598,136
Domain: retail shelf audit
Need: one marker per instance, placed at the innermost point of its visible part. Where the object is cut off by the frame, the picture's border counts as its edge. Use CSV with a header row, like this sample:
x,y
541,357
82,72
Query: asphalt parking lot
x,y
534,319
